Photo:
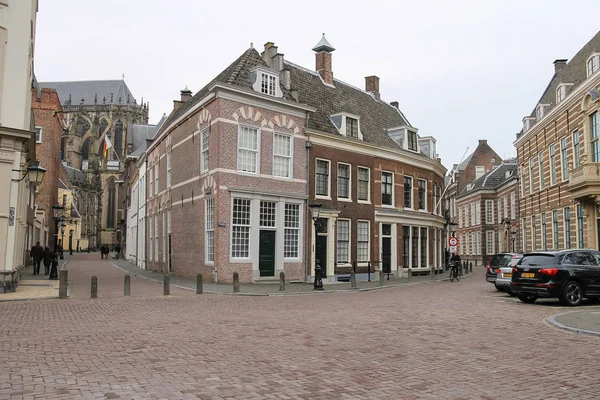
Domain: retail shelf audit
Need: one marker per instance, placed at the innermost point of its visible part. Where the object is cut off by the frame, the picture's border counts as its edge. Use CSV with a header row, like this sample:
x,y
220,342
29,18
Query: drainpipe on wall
x,y
307,217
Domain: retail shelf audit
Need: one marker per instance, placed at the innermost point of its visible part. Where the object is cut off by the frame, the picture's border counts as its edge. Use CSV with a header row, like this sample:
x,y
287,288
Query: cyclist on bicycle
x,y
455,262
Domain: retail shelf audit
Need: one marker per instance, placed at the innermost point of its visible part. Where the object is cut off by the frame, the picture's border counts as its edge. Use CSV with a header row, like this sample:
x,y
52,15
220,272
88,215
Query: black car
x,y
569,275
498,261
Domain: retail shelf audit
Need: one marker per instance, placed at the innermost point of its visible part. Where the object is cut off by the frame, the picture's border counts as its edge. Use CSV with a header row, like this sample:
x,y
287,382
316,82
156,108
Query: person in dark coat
x,y
37,254
48,256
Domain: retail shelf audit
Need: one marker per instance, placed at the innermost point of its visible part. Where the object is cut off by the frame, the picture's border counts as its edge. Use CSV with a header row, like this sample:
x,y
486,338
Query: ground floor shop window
x,y
423,247
415,247
405,245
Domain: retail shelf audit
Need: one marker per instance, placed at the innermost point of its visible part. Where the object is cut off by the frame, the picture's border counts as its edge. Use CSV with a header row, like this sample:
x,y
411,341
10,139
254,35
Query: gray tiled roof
x,y
574,72
140,133
375,116
463,165
87,90
492,179
75,175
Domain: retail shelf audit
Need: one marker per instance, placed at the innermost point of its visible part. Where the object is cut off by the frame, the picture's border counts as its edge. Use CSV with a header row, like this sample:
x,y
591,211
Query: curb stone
x,y
552,321
356,290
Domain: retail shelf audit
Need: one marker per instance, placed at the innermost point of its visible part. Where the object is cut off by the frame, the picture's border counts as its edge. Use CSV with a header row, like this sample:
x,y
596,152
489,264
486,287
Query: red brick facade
x,y
46,108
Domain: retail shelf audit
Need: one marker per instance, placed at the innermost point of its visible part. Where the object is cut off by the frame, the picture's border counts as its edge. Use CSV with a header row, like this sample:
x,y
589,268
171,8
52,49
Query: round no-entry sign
x,y
453,241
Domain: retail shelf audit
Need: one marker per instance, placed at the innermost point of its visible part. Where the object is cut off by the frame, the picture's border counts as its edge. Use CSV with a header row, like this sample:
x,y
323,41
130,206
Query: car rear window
x,y
537,259
500,260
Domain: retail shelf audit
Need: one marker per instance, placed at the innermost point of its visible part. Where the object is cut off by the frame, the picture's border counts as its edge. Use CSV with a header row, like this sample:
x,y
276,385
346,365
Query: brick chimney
x,y
559,65
186,94
323,60
372,85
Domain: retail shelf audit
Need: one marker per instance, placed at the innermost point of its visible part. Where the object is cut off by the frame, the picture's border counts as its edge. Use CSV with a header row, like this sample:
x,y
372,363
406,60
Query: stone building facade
x,y
93,112
558,155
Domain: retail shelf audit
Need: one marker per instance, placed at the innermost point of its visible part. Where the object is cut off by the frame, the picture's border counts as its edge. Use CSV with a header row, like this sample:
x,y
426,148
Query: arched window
x,y
82,127
103,127
85,149
110,217
118,135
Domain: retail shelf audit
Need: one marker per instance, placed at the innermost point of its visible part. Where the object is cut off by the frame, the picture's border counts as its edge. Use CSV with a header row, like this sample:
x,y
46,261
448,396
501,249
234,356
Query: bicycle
x,y
454,271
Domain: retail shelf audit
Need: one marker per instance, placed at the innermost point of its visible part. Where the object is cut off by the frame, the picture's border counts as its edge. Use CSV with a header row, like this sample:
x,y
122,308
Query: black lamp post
x,y
57,213
513,235
71,242
315,210
63,224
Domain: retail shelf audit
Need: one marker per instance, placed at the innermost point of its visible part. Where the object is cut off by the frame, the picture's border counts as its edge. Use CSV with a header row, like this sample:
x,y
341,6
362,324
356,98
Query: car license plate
x,y
527,275
507,274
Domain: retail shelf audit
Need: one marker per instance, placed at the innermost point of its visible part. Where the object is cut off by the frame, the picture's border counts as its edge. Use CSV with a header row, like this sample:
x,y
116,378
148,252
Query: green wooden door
x,y
266,258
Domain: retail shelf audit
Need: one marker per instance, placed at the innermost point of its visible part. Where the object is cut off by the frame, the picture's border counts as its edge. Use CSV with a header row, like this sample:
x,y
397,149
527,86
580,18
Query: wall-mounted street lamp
x,y
35,172
315,211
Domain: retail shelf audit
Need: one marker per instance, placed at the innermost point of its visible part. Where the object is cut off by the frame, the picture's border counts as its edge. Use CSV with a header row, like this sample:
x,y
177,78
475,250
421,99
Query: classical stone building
x,y
558,152
17,137
93,112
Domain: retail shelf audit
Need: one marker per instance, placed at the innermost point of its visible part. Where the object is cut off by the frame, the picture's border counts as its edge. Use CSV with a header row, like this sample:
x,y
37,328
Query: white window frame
x,y
564,166
561,91
168,169
460,217
288,228
328,195
151,180
256,151
424,195
489,212
478,212
368,200
555,228
348,241
533,233
358,241
156,178
479,171
565,230
513,205
531,174
544,232
38,134
490,247
467,208
236,256
349,180
592,64
392,185
505,207
412,190
268,84
204,149
552,161
209,227
156,237
541,169
283,157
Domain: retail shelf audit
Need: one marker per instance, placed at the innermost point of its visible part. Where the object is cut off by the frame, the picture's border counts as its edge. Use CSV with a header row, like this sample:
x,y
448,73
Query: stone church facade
x,y
94,111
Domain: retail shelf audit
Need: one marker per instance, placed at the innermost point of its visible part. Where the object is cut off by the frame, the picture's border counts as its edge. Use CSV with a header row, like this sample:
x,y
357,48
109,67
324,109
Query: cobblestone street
x,y
437,340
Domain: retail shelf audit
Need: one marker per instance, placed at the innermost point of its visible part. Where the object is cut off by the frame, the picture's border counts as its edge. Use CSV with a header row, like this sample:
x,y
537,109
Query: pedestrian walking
x,y
37,254
48,256
117,251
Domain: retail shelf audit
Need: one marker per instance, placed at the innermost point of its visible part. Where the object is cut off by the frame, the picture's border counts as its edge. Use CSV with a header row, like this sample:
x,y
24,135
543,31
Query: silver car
x,y
504,274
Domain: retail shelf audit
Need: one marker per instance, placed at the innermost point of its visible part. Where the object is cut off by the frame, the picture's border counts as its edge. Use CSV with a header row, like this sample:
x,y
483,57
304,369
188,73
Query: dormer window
x,y
412,141
593,64
265,81
268,84
347,125
528,122
351,127
540,111
560,93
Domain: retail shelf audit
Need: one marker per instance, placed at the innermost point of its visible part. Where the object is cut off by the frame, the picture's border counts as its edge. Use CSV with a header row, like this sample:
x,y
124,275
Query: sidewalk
x,y
272,289
579,322
35,287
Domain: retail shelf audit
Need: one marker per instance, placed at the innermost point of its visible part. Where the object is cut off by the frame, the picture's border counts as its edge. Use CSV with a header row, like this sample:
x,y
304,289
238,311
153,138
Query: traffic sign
x,y
453,241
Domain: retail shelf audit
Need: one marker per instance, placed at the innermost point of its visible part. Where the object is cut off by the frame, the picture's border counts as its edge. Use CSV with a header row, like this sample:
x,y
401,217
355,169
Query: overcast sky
x,y
461,70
